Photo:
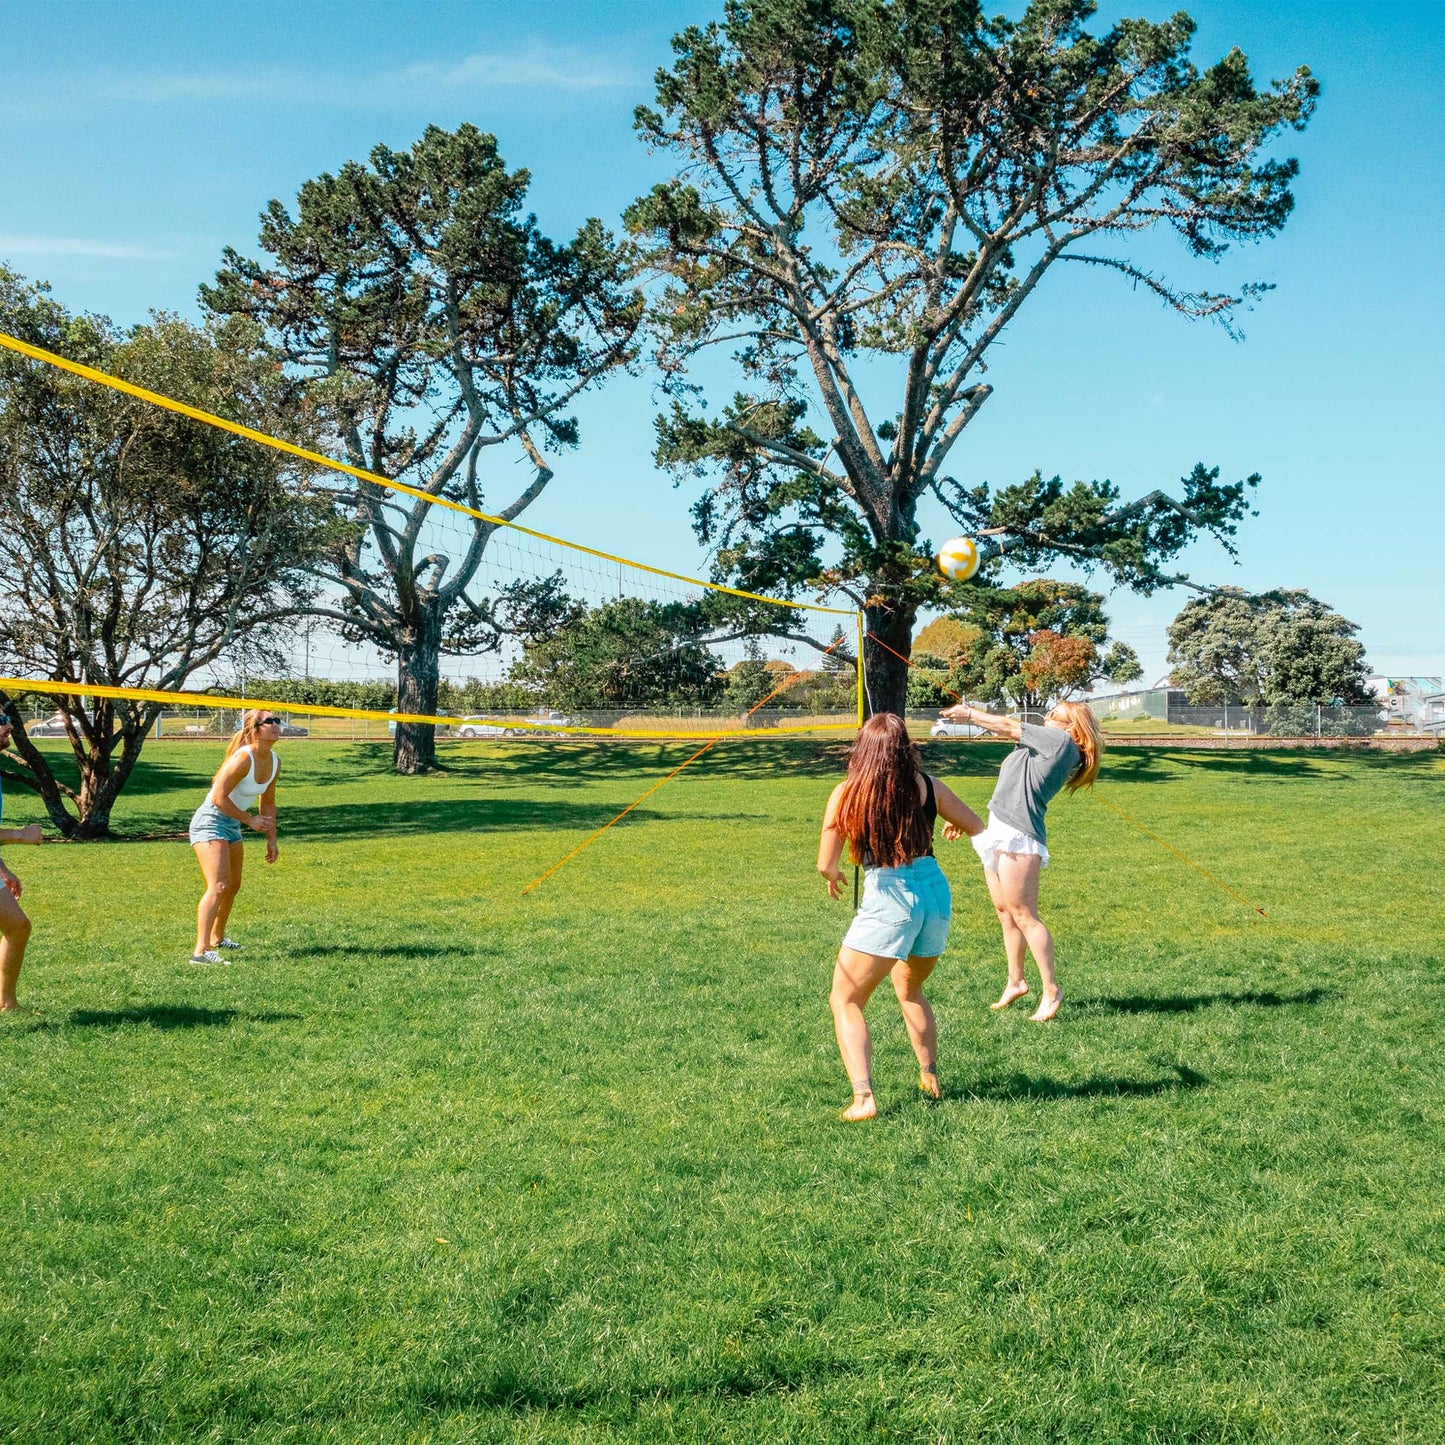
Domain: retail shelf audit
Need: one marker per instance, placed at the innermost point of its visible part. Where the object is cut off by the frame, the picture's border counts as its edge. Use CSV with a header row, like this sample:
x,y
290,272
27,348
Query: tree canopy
x,y
137,547
629,652
1027,646
1276,649
866,181
433,322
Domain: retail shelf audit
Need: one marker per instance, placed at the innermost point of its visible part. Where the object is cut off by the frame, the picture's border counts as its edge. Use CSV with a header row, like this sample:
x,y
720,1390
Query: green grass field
x,y
436,1162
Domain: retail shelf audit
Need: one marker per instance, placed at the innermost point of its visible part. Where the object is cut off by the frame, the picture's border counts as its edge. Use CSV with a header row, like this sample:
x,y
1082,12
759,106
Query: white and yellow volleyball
x,y
958,559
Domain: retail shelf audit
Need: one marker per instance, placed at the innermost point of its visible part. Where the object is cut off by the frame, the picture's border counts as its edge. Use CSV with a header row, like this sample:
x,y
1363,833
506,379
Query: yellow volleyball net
x,y
542,636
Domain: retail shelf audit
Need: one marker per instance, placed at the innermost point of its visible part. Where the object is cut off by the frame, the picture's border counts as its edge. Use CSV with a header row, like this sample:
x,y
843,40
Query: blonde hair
x,y
1078,719
246,737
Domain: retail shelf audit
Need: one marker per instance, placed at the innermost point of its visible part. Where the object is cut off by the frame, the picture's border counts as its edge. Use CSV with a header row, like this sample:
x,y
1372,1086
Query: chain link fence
x,y
1162,712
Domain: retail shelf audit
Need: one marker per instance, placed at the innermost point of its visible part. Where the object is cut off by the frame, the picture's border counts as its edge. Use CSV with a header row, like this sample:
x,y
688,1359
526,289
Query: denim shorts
x,y
903,911
210,825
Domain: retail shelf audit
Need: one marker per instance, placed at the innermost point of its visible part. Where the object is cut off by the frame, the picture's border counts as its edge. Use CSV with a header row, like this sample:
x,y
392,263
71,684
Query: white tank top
x,y
248,789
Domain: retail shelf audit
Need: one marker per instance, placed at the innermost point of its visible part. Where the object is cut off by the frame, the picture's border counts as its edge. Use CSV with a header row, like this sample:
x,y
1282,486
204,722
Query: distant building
x,y
1411,701
1158,704
1432,713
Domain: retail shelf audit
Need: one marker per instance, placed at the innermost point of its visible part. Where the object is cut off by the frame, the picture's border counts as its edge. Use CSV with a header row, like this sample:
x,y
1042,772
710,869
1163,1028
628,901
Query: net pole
x,y
861,692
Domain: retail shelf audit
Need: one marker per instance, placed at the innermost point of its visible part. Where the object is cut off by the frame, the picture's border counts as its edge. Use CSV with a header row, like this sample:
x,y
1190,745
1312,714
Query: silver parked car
x,y
542,722
944,728
479,726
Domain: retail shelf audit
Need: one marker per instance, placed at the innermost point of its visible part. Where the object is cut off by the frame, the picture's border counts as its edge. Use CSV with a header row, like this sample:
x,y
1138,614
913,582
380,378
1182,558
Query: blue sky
x,y
137,140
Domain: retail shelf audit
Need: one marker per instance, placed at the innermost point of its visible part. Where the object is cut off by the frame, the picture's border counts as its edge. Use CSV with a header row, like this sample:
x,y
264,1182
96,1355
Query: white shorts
x,y
1000,837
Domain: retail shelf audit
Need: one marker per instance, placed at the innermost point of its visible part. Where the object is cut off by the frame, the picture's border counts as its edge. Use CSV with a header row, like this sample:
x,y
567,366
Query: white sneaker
x,y
228,943
209,956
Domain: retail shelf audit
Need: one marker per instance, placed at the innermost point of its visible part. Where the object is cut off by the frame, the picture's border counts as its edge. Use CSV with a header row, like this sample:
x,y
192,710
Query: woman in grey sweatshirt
x,y
1063,752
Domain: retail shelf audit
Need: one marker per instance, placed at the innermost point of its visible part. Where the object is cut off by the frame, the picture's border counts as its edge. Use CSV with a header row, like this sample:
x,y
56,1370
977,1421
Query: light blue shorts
x,y
210,825
903,911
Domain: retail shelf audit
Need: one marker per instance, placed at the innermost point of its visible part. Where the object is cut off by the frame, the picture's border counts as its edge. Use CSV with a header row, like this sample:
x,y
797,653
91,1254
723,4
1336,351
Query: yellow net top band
x,y
37,353
214,700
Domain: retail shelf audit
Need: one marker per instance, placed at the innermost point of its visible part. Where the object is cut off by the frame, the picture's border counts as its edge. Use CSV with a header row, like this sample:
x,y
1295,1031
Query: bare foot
x,y
1012,992
12,1008
928,1083
864,1106
1048,1007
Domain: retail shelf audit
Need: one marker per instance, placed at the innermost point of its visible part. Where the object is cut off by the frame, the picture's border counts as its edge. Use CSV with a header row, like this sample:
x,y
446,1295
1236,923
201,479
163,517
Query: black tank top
x,y
930,812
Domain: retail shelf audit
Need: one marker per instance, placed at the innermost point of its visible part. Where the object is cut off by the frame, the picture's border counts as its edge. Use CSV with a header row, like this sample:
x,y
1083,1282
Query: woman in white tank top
x,y
248,774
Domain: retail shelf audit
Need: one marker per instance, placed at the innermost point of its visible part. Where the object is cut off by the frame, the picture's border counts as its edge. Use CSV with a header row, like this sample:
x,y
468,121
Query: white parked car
x,y
51,727
943,728
541,722
478,726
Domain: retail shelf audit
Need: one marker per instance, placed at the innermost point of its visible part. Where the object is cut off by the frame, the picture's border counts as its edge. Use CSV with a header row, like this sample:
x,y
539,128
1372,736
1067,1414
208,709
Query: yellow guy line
x,y
1135,823
205,699
37,353
587,842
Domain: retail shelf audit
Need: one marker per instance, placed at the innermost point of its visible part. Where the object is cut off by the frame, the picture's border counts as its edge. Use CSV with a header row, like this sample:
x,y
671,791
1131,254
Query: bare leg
x,y
1018,875
216,868
855,976
14,935
908,978
1013,943
236,857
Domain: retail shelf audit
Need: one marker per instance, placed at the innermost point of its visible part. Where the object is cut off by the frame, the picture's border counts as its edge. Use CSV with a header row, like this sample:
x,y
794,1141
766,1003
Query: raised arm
x,y
830,845
1004,727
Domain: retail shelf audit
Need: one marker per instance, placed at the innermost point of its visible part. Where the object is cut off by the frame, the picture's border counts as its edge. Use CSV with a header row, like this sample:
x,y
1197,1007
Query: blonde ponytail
x,y
246,737
1078,718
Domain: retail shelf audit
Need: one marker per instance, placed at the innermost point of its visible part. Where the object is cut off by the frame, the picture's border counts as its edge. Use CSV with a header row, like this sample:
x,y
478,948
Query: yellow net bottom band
x,y
361,714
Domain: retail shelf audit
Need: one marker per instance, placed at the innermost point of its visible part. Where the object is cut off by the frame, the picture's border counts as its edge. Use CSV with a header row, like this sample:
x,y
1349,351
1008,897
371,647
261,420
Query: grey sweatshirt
x,y
1044,760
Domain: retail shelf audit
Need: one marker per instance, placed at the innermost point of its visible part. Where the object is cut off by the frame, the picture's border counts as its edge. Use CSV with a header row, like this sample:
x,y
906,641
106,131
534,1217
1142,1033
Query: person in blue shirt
x,y
1063,753
14,925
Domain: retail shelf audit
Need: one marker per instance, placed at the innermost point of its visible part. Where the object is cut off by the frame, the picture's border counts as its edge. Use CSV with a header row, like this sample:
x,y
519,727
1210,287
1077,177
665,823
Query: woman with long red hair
x,y
1063,753
885,810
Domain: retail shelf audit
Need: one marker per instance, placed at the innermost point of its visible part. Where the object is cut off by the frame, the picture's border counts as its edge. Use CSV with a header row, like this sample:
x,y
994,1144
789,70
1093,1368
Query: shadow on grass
x,y
167,1016
452,815
512,1391
1193,1002
383,950
1021,1086
1280,765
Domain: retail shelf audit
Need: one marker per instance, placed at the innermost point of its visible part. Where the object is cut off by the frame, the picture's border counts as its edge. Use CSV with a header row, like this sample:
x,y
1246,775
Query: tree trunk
x,y
885,674
418,680
102,774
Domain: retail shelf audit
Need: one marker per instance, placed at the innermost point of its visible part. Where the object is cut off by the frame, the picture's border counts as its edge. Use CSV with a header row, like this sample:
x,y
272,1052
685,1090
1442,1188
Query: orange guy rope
x,y
587,843
1113,808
